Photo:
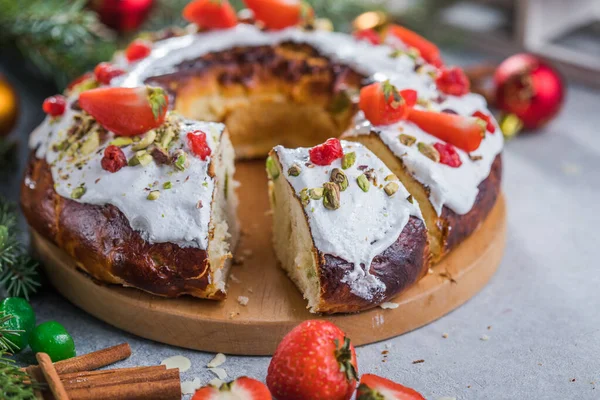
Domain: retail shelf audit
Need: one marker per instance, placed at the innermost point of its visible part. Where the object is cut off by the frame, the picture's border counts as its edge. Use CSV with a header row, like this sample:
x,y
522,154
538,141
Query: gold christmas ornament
x,y
9,107
370,20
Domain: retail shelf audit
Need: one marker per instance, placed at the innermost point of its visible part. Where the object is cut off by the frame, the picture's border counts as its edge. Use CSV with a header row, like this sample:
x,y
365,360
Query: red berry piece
x,y
453,81
314,361
326,153
55,105
138,49
198,144
114,159
370,35
383,104
448,154
105,72
211,14
489,125
240,389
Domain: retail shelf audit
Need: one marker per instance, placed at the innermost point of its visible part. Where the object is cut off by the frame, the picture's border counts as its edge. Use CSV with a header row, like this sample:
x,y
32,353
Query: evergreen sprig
x,y
14,383
18,271
7,345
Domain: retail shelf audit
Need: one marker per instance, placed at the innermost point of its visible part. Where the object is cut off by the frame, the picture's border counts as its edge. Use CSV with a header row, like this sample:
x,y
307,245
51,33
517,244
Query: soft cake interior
x,y
224,229
415,188
292,239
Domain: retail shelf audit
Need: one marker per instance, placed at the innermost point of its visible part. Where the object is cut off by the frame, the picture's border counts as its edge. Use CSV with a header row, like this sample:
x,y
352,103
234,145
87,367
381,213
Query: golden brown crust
x,y
397,267
102,243
457,228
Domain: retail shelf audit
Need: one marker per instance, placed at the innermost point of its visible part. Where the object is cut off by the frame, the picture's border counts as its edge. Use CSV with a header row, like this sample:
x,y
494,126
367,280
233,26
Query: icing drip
x,y
174,217
365,224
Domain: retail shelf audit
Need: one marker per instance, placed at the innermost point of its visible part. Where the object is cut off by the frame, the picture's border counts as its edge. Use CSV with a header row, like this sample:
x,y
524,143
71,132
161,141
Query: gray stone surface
x,y
540,311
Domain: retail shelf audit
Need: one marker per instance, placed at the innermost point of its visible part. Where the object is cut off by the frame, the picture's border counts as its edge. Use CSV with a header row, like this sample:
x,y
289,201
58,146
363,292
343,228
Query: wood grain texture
x,y
275,305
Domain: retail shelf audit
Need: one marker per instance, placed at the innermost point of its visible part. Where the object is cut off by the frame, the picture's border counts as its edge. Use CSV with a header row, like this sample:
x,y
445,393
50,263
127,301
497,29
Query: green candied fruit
x,y
23,320
52,338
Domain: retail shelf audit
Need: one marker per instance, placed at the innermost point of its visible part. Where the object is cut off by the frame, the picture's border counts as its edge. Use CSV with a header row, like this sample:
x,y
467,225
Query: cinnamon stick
x,y
133,377
86,374
54,382
160,390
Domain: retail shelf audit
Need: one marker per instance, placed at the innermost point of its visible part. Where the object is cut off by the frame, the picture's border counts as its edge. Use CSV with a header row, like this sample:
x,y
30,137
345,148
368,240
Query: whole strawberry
x,y
314,361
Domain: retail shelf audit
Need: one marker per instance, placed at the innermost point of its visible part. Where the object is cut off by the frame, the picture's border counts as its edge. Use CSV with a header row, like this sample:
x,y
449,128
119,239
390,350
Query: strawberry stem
x,y
157,100
344,357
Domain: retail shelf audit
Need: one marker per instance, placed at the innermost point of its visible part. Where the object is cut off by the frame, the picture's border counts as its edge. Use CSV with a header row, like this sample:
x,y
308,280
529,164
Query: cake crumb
x,y
388,305
418,361
243,300
238,260
489,328
484,338
572,379
430,271
250,290
445,335
234,278
217,361
233,314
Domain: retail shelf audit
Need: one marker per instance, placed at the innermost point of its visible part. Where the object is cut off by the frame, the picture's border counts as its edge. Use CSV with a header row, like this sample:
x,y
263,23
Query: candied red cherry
x,y
326,153
489,125
105,72
453,81
138,49
383,104
448,154
55,105
198,144
114,159
370,35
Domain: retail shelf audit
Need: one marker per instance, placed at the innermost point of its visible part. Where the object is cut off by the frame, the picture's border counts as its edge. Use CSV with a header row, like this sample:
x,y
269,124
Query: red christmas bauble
x,y
122,15
529,88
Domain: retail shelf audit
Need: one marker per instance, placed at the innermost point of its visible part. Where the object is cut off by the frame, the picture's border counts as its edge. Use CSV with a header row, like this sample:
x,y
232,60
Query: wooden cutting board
x,y
275,306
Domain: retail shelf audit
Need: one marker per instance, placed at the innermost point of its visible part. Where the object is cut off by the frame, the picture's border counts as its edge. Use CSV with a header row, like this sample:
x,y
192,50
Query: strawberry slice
x,y
428,50
370,35
463,132
126,111
383,104
279,14
211,14
240,389
375,387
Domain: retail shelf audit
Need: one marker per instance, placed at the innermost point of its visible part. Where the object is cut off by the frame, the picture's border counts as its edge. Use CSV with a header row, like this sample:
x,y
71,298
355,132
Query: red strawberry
x,y
383,104
428,50
126,111
211,14
138,49
55,105
453,81
198,144
373,387
279,14
326,153
370,35
491,128
240,389
448,154
314,361
105,72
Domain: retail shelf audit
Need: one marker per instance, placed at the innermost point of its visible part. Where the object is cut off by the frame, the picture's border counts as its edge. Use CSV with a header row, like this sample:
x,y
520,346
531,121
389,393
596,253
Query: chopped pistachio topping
x,y
316,193
331,196
391,188
475,157
181,161
144,142
121,141
407,140
339,177
140,158
363,182
429,151
410,199
272,168
226,185
348,160
167,185
294,170
153,195
78,192
391,177
304,198
90,144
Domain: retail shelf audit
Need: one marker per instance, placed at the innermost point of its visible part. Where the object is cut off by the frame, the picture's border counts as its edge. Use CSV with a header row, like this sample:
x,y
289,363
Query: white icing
x,y
186,225
366,223
174,217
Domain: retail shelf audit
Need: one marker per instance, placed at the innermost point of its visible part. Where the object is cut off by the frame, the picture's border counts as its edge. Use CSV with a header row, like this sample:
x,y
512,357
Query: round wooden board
x,y
275,306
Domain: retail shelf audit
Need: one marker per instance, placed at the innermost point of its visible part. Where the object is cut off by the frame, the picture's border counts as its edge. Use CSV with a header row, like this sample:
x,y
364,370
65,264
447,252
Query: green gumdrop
x,y
23,320
52,338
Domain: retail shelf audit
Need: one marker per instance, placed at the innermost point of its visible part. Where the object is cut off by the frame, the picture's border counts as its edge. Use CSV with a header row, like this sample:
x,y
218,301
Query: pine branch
x,y
60,37
7,345
14,383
